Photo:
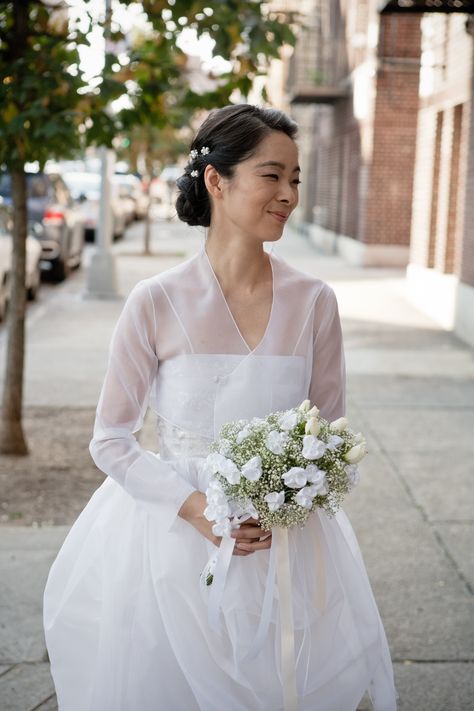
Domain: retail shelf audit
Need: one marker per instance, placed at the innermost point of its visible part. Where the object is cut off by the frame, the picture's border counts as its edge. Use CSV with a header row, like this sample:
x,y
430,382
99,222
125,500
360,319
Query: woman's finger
x,y
255,546
238,551
250,532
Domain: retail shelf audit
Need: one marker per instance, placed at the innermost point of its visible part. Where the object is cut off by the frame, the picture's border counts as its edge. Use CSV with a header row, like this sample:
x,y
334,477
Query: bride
x,y
234,332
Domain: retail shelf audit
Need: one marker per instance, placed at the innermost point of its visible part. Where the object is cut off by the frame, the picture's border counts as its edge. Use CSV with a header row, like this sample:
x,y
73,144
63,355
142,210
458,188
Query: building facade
x,y
440,272
382,95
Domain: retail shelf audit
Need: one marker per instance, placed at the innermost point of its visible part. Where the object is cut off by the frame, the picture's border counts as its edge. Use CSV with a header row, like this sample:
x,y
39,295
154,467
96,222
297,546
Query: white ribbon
x,y
287,628
279,567
224,557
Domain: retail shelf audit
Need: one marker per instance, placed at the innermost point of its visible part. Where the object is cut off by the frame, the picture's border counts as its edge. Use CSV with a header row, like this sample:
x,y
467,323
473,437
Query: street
x,y
410,390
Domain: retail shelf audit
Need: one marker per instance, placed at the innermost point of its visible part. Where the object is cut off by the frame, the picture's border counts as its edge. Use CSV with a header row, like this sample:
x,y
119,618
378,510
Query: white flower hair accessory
x,y
195,154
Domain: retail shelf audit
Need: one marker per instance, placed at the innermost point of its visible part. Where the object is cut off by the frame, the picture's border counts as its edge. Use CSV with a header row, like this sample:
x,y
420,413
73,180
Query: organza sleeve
x,y
328,381
122,406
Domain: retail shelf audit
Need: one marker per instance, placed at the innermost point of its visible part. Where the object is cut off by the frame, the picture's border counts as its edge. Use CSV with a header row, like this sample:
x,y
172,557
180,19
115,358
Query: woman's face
x,y
258,199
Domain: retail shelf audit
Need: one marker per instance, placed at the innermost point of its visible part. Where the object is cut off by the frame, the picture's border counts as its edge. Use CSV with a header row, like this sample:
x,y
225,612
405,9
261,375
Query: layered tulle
x,y
126,593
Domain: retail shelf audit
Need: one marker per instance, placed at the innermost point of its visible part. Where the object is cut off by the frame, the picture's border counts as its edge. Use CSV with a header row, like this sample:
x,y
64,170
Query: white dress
x,y
125,620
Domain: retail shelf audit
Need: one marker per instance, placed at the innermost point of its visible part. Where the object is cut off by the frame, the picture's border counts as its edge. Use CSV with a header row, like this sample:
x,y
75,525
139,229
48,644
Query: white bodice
x,y
178,349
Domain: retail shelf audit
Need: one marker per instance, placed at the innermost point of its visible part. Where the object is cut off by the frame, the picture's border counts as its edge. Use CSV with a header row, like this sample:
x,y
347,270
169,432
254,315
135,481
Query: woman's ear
x,y
213,181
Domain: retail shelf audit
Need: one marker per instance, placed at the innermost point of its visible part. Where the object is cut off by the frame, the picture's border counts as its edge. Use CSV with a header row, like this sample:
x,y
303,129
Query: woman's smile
x,y
279,216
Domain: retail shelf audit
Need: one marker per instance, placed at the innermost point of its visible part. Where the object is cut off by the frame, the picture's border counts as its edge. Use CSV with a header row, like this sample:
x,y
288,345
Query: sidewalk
x,y
411,391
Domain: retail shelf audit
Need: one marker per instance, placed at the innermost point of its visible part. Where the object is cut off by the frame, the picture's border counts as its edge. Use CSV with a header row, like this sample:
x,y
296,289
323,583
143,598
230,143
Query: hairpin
x,y
194,173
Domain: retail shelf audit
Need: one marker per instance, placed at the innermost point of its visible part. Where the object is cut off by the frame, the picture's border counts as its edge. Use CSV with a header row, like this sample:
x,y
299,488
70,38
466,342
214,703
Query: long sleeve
x,y
328,381
122,406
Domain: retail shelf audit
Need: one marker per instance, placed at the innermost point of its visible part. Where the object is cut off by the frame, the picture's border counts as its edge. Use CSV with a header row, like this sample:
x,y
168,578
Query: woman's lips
x,y
280,216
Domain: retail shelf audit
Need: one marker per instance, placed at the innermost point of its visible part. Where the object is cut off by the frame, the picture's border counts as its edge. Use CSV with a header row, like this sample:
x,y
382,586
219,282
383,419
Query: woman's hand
x,y
249,537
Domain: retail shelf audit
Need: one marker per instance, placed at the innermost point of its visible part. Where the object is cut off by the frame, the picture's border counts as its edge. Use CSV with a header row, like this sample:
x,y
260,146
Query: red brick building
x,y
382,95
440,273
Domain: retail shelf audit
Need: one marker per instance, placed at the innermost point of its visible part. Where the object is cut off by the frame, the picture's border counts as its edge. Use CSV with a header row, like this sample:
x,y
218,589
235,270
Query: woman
x,y
233,332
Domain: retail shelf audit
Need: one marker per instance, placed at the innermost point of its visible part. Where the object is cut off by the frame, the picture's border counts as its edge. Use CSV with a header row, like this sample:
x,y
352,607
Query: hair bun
x,y
192,204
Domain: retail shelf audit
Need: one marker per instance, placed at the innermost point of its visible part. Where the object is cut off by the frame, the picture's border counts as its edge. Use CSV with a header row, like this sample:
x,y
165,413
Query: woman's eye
x,y
271,175
296,182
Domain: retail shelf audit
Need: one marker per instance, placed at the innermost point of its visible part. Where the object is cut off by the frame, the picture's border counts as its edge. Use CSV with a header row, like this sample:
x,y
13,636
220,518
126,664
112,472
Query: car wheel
x,y
60,269
32,291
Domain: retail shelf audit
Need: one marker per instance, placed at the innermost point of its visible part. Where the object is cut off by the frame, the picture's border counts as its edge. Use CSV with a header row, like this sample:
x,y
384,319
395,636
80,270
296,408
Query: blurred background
x,y
99,101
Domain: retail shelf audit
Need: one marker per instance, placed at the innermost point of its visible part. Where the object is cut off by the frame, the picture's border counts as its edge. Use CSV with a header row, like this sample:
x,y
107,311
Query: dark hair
x,y
232,135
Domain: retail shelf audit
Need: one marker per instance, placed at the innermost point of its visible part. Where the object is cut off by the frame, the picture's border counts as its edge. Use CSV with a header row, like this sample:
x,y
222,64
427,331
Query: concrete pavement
x,y
411,390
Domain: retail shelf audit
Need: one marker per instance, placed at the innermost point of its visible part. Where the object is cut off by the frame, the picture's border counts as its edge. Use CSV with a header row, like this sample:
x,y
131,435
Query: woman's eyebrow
x,y
276,164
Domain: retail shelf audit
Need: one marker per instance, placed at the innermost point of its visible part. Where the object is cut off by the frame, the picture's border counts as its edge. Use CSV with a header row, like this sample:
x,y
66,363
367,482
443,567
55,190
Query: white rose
x,y
304,497
288,420
252,470
313,448
356,453
339,425
305,405
312,426
275,499
276,441
314,412
295,477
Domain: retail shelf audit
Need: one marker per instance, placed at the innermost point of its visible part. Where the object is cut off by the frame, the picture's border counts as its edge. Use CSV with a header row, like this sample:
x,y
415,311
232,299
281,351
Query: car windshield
x,y
37,185
87,184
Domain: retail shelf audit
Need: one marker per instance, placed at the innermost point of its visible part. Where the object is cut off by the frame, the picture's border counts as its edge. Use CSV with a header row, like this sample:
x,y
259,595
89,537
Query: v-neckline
x,y
229,311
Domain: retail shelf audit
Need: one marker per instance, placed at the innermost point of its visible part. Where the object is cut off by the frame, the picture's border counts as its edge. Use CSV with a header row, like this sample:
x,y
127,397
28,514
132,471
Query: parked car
x,y
57,221
131,190
33,257
85,188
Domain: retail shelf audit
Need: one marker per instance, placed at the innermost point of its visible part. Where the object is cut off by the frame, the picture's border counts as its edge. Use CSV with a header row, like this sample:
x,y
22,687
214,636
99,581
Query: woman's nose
x,y
287,195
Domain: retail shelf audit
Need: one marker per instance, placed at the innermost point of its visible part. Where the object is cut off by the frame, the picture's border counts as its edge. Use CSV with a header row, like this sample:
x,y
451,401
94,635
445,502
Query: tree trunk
x,y
12,439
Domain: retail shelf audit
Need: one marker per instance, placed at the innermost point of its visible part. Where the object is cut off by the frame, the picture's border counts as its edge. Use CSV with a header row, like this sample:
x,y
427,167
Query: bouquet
x,y
279,469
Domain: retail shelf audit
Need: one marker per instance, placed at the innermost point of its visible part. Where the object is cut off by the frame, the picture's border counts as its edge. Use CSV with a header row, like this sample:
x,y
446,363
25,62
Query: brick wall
x,y
466,259
401,170
390,189
366,194
441,238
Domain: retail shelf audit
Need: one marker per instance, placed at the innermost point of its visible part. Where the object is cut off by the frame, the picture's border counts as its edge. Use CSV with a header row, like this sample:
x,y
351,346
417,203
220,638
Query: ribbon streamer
x,y
279,568
320,567
224,558
287,630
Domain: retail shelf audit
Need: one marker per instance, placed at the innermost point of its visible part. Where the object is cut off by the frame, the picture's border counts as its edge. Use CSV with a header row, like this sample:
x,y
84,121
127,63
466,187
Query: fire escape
x,y
318,70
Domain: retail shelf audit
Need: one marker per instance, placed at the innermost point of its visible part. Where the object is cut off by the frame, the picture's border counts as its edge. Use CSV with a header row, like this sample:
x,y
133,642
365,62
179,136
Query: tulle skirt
x,y
126,621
